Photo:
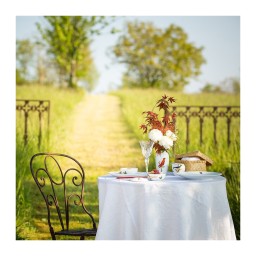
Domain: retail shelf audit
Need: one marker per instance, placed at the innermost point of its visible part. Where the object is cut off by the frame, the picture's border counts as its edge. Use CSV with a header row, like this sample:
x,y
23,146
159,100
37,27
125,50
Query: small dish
x,y
156,177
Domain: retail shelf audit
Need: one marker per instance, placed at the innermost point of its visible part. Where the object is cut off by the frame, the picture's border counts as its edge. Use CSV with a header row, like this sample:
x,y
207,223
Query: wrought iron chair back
x,y
60,179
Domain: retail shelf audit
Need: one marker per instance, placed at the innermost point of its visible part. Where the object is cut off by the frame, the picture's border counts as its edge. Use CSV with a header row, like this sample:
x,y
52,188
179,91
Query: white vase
x,y
162,162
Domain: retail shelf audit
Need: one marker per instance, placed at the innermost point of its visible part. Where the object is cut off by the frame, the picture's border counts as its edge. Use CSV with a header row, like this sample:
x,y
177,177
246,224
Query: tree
x,y
24,56
87,71
157,58
19,78
68,39
211,88
207,88
236,85
229,85
42,64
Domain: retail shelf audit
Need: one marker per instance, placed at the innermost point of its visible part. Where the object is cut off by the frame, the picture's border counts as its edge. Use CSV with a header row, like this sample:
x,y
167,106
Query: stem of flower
x,y
154,107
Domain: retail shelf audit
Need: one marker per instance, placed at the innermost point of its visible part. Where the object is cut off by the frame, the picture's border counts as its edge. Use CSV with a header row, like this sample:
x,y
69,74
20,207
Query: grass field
x,y
63,102
134,102
31,224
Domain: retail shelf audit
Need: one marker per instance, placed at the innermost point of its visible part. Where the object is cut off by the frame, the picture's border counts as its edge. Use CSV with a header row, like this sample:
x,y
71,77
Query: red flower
x,y
166,123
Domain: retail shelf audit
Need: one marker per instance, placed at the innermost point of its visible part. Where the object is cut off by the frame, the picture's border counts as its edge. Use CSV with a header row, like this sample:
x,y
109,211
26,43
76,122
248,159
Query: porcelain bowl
x,y
156,177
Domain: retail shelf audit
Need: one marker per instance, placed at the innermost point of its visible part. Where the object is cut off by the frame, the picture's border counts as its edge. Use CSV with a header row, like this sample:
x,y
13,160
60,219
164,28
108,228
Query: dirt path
x,y
101,142
100,138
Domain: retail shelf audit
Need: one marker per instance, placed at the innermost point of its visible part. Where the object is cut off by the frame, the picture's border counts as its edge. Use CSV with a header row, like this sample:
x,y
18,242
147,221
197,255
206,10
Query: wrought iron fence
x,y
40,106
227,113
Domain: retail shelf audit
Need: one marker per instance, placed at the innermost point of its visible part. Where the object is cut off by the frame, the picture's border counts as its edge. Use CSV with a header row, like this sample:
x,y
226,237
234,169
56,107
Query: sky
x,y
219,35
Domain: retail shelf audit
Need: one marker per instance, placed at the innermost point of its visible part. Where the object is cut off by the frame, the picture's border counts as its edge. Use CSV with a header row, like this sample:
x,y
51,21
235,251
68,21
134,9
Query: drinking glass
x,y
146,148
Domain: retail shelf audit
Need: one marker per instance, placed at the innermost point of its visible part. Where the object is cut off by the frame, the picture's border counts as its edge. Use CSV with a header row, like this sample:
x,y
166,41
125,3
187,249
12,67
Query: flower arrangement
x,y
161,132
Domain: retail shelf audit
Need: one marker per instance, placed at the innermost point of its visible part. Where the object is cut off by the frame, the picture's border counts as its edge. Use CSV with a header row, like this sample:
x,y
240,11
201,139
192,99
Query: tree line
x,y
62,53
153,57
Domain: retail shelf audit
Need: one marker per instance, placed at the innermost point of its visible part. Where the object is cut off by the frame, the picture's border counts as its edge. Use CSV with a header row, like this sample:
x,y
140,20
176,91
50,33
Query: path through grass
x,y
101,142
100,138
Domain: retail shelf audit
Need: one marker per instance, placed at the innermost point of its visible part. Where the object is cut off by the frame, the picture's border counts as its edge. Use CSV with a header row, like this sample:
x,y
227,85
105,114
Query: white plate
x,y
121,175
138,179
126,170
198,175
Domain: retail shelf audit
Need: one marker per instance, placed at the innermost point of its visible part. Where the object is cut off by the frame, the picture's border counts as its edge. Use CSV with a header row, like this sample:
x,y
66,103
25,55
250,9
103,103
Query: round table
x,y
174,208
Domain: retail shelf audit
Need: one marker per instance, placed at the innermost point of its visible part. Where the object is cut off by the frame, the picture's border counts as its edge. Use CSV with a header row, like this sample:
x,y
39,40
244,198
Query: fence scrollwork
x,y
215,113
40,106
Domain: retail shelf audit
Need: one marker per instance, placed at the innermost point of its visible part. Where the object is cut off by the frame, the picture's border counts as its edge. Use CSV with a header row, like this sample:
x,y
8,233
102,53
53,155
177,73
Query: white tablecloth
x,y
174,208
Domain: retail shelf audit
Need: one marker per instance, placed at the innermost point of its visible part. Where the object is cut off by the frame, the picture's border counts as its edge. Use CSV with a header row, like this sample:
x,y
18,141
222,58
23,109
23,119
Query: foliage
x,y
236,86
24,56
45,68
157,58
232,174
210,88
229,85
62,105
20,80
68,39
87,71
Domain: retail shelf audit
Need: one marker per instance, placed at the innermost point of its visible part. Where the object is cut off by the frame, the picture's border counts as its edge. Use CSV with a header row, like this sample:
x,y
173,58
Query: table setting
x,y
174,201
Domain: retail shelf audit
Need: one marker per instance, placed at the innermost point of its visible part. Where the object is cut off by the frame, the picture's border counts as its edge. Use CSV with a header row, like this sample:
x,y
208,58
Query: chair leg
x,y
52,233
81,237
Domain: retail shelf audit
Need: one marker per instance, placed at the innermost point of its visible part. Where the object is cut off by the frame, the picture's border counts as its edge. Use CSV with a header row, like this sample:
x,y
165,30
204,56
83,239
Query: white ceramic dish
x,y
127,170
122,175
156,177
199,175
178,168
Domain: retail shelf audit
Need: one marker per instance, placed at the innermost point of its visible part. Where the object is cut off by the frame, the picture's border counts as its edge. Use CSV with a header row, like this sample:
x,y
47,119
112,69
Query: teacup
x,y
178,167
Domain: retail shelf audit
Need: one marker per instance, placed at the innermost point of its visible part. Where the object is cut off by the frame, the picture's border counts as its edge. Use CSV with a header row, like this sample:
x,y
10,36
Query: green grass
x,y
226,159
31,221
63,102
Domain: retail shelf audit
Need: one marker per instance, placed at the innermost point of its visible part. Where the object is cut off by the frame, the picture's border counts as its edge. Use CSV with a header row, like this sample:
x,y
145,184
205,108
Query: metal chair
x,y
60,179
